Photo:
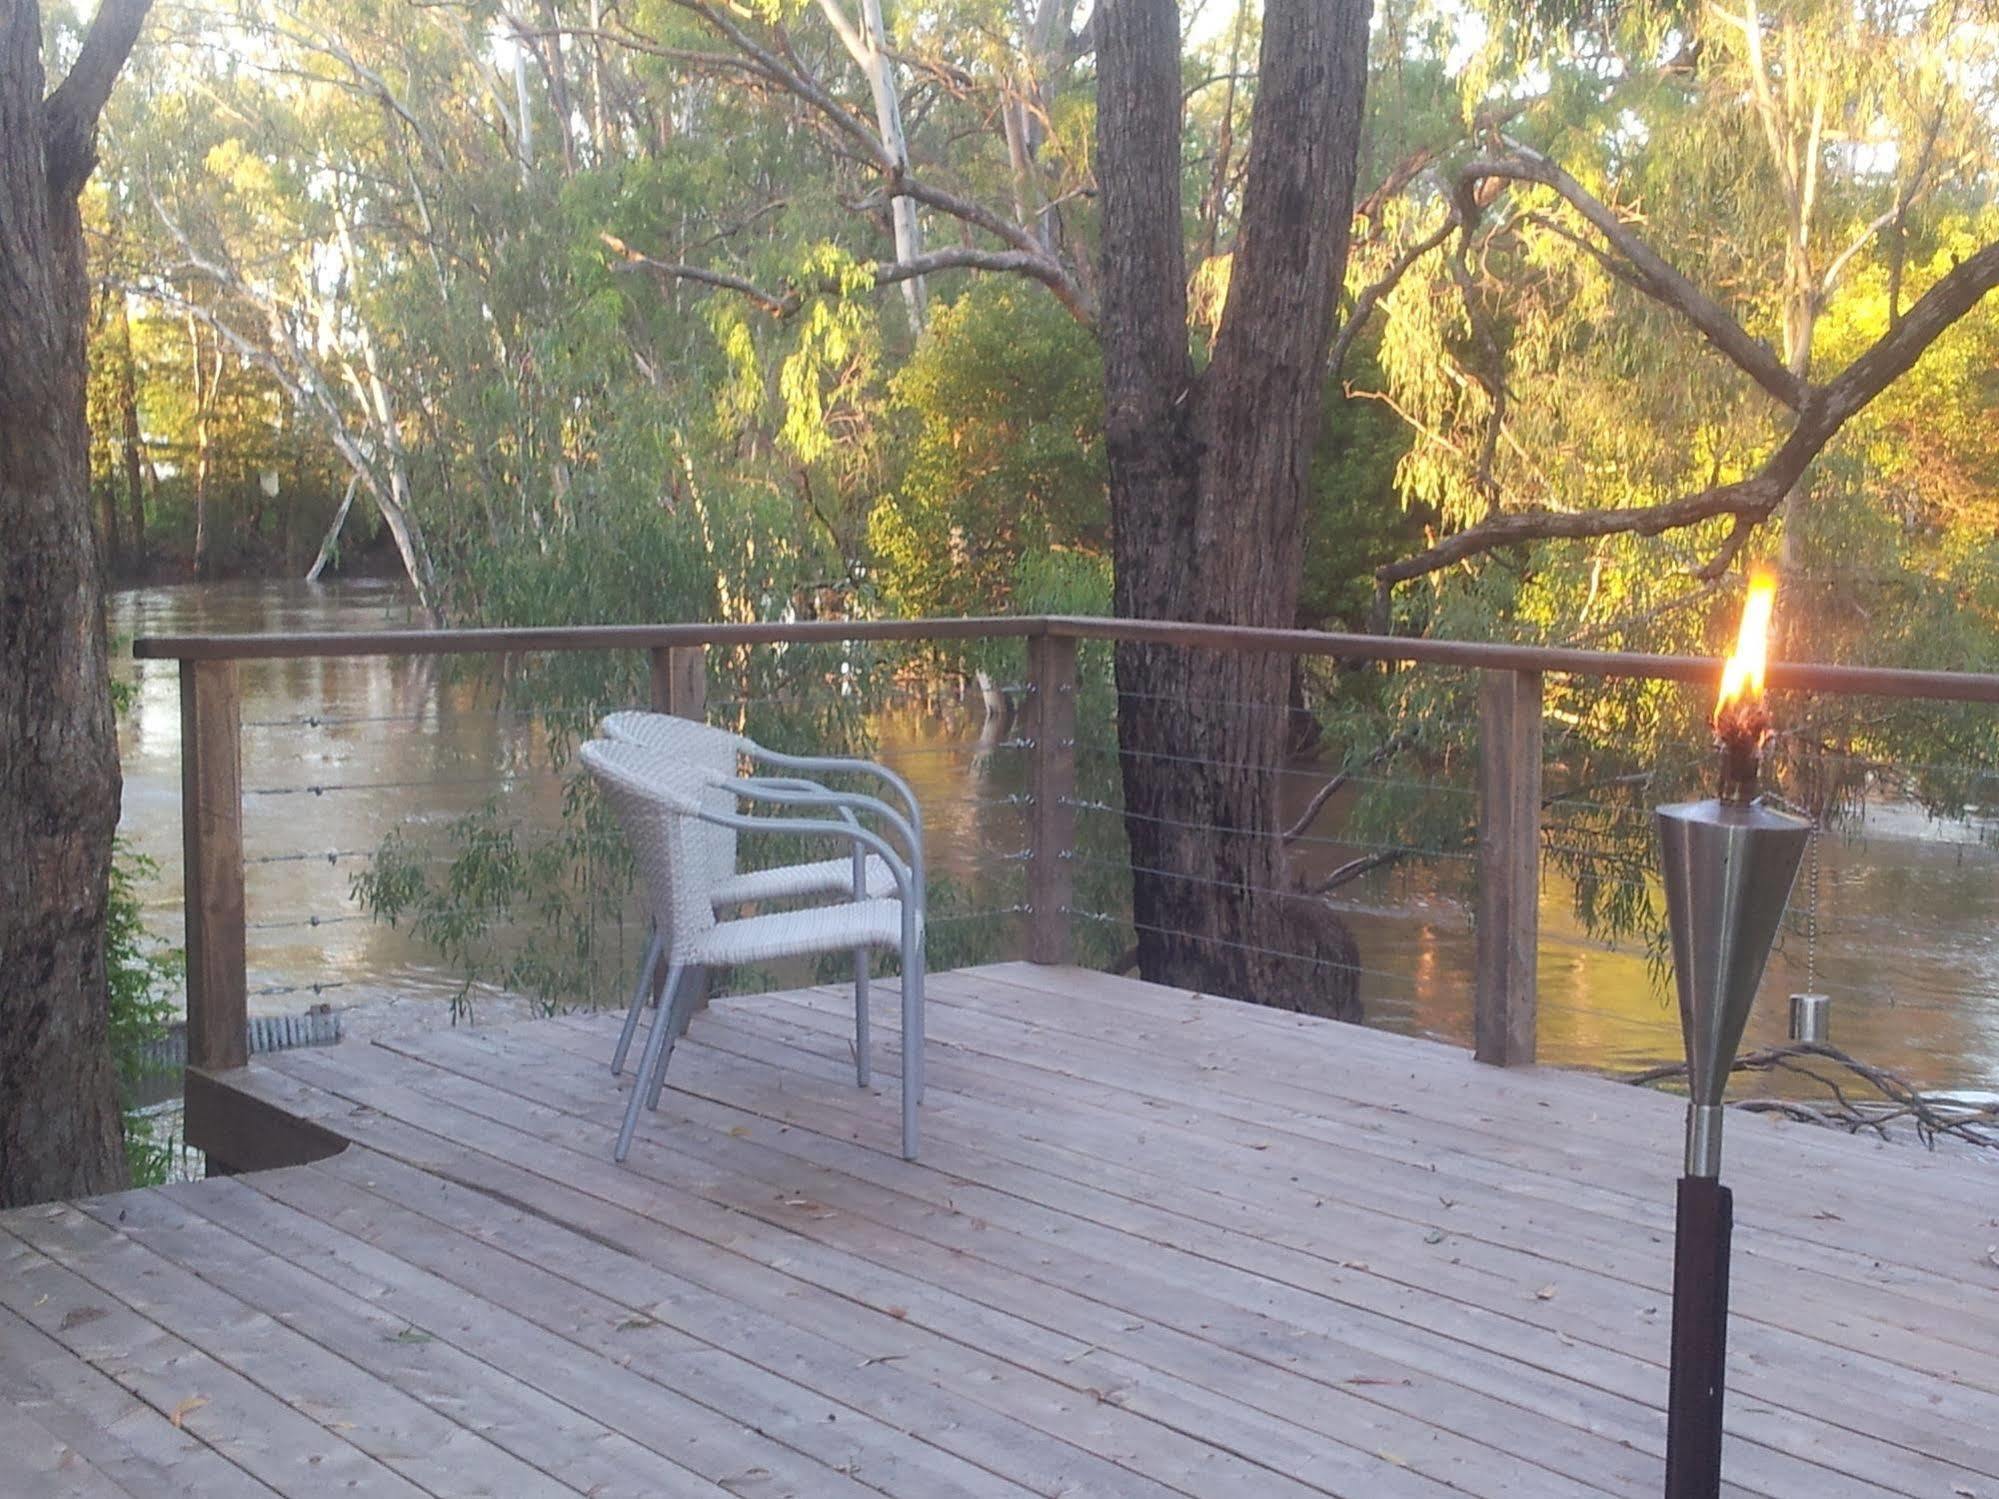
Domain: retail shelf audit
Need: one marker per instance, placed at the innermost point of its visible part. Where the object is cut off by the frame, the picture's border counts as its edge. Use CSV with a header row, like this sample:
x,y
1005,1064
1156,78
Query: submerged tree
x,y
59,782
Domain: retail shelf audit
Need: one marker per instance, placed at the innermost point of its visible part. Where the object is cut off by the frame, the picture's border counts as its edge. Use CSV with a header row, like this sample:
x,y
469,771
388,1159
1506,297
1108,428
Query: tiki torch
x,y
1728,865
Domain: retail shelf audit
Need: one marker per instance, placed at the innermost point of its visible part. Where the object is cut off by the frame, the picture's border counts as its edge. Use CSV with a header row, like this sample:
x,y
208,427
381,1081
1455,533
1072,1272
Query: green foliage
x,y
436,270
143,979
568,891
1005,461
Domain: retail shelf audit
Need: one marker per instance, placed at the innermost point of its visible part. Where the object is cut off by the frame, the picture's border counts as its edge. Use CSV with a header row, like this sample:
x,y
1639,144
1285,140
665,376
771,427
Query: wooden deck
x,y
1158,1245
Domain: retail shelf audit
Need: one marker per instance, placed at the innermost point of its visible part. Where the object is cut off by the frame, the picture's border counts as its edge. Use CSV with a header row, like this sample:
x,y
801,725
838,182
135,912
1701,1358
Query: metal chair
x,y
719,752
664,804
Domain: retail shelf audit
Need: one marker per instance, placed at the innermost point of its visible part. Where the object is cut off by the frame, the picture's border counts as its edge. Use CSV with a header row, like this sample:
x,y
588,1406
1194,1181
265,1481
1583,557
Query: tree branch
x,y
775,305
1654,276
1333,787
1370,297
886,273
73,108
1822,411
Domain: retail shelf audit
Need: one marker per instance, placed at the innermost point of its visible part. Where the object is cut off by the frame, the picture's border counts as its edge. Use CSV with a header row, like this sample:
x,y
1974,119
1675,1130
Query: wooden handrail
x,y
1784,676
510,642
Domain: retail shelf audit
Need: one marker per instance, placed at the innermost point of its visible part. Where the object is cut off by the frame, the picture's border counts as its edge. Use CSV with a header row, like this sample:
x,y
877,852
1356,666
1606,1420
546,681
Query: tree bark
x,y
128,412
1208,485
59,782
204,395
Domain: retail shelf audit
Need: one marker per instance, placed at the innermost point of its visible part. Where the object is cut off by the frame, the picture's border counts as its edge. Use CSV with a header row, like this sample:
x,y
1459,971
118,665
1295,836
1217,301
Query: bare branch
x,y
776,306
1896,351
799,82
1860,242
1334,786
1822,411
886,273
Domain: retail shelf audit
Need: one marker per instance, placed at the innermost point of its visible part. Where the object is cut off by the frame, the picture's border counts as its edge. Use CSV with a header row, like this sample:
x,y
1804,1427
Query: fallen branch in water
x,y
1896,1101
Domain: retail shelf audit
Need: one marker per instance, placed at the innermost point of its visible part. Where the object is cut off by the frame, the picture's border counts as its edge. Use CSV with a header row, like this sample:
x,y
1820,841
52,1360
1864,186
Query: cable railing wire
x,y
1102,808
1273,952
323,986
327,788
303,923
1193,879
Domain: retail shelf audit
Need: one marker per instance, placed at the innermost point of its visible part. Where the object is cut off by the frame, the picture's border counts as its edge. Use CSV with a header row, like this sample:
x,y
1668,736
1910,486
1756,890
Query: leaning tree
x,y
59,784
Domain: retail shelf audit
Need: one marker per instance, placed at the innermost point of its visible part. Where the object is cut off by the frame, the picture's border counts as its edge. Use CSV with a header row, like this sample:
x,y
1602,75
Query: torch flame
x,y
1742,674
1741,720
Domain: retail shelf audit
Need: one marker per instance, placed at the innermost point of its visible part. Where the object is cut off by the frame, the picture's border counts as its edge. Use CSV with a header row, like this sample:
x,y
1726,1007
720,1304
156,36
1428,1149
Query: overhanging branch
x,y
1650,272
1822,410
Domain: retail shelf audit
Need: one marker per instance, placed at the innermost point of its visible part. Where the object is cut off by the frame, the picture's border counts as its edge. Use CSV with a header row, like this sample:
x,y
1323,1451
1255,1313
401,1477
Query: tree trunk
x,y
1208,485
107,524
868,45
203,393
128,411
59,781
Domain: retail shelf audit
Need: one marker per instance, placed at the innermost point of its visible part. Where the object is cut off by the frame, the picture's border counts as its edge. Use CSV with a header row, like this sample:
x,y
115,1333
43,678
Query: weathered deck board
x,y
1159,1245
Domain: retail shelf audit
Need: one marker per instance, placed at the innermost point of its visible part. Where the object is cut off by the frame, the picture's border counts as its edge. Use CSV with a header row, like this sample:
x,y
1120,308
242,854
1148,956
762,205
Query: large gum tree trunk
x,y
59,782
1208,487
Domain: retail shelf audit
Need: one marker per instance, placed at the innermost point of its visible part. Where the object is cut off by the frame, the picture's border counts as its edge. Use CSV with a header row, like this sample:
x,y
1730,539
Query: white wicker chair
x,y
664,804
718,752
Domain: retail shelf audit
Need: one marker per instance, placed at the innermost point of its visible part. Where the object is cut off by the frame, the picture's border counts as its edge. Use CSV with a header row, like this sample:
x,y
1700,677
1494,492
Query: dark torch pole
x,y
1728,867
1700,1338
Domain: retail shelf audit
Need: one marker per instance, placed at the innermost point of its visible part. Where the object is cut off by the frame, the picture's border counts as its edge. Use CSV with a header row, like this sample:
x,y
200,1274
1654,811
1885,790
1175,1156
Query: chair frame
x,y
637,726
670,788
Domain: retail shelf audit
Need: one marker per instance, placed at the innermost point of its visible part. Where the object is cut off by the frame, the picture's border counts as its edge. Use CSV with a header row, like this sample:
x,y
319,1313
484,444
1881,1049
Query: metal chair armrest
x,y
810,793
849,830
845,764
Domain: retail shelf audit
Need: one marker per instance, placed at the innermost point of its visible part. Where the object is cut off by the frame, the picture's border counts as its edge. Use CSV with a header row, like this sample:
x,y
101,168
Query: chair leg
x,y
921,967
676,1014
641,992
912,1035
659,1046
862,1071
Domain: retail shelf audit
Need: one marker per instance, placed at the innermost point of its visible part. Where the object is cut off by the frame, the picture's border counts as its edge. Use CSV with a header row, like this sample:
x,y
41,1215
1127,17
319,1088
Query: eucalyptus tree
x,y
1666,232
1712,282
60,1125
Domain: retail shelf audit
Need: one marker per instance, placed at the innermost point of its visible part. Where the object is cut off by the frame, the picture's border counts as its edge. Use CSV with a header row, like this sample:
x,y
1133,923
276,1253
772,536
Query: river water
x,y
338,753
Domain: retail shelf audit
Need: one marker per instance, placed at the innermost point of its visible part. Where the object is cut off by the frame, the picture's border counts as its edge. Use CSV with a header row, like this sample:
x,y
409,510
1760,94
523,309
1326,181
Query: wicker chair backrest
x,y
715,752
657,798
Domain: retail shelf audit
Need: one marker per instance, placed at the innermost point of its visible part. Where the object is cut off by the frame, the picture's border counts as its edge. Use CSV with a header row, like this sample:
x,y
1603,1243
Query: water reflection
x,y
338,753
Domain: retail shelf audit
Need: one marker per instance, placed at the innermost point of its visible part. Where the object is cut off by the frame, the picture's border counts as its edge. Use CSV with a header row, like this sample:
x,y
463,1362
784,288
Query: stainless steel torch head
x,y
1728,870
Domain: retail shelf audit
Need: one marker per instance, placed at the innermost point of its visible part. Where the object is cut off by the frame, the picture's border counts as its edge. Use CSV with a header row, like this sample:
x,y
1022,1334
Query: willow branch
x,y
1651,273
1370,297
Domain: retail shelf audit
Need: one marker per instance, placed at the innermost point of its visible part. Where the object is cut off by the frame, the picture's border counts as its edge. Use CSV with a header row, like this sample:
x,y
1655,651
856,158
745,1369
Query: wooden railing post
x,y
680,680
1051,724
1509,865
211,782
